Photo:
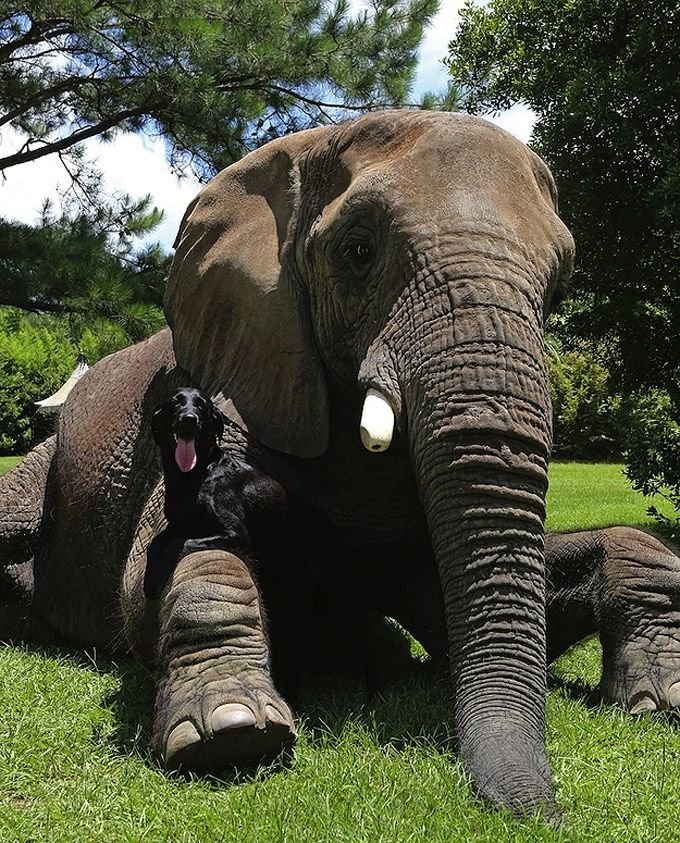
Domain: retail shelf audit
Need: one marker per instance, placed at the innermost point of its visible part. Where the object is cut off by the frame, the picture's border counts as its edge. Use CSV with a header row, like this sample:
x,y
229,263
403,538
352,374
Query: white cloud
x,y
431,74
133,164
138,165
518,120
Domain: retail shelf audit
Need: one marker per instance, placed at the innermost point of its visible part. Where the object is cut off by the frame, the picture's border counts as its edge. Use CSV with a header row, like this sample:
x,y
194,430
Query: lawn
x,y
75,763
587,495
7,463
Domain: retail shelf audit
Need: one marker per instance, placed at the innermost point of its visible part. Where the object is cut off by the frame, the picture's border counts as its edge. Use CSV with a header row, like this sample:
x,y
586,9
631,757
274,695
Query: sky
x,y
136,164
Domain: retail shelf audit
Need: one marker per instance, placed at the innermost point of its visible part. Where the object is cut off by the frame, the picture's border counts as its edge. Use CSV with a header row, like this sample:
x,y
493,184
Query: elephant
x,y
365,302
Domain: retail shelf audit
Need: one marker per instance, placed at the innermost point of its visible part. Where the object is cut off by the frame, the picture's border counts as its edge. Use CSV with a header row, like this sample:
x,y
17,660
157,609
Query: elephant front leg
x,y
216,705
624,584
638,609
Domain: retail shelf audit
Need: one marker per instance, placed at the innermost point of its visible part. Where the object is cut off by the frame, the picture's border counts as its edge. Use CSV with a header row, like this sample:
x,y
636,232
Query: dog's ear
x,y
158,421
217,422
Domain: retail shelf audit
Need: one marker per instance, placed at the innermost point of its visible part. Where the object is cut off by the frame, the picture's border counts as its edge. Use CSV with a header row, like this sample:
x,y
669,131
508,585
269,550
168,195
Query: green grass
x,y
8,463
587,495
75,762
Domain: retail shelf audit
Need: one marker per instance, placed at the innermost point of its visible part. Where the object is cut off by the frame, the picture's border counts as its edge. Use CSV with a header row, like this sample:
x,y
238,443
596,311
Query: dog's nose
x,y
188,422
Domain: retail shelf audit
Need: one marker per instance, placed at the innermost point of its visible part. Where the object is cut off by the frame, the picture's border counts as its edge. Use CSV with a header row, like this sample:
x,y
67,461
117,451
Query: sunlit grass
x,y
75,763
8,463
587,495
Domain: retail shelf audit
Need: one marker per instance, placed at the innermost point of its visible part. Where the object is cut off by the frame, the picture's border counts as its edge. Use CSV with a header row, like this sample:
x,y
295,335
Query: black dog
x,y
212,499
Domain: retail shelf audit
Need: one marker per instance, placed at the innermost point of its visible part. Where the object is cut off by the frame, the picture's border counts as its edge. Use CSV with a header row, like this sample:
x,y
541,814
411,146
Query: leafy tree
x,y
214,77
604,80
653,456
588,416
603,77
84,265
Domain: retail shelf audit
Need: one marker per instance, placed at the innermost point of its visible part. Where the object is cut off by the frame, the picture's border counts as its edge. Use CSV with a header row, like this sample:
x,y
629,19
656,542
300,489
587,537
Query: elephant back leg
x,y
23,502
106,468
625,585
638,608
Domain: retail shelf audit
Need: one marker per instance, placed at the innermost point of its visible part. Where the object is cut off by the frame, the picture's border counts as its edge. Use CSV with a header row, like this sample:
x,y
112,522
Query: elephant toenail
x,y
645,703
232,716
674,695
182,736
274,716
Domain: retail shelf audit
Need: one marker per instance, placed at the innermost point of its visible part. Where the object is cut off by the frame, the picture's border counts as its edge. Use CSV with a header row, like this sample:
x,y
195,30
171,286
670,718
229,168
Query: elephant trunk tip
x,y
377,422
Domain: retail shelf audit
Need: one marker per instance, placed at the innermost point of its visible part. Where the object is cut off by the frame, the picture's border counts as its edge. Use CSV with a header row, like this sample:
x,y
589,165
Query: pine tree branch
x,y
315,102
38,305
76,137
39,31
45,94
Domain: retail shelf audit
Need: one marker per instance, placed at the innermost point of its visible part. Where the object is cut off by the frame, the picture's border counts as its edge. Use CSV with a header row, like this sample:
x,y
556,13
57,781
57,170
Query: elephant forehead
x,y
443,167
430,145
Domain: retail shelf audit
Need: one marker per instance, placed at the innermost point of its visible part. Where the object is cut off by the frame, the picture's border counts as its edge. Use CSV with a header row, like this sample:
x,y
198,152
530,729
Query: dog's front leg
x,y
161,557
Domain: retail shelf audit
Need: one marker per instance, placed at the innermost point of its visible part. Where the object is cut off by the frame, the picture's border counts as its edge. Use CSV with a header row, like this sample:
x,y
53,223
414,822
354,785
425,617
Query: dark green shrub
x,y
37,354
587,414
653,452
34,361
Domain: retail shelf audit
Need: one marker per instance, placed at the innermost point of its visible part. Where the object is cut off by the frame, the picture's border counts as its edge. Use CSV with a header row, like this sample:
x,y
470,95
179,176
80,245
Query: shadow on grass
x,y
406,703
383,727
410,707
577,690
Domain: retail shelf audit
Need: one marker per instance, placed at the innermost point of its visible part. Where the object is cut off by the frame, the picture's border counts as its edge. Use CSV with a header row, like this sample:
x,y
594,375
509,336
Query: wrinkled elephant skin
x,y
410,257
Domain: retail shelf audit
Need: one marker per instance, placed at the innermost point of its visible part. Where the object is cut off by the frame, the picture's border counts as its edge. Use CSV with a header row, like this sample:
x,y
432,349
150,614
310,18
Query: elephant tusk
x,y
377,422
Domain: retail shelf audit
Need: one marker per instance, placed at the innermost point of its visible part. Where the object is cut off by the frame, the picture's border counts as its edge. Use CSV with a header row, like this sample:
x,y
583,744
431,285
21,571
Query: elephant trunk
x,y
478,420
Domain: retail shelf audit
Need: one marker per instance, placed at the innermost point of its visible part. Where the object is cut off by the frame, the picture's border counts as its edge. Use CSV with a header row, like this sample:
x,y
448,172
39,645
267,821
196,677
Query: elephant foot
x,y
644,675
216,704
640,623
234,735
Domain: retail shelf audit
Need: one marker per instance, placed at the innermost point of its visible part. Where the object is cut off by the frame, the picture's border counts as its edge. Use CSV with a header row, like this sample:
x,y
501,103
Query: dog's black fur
x,y
221,502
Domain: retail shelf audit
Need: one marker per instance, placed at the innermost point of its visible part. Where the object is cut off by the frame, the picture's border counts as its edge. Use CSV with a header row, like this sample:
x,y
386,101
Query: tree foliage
x,y
604,80
216,78
603,77
588,416
653,454
84,264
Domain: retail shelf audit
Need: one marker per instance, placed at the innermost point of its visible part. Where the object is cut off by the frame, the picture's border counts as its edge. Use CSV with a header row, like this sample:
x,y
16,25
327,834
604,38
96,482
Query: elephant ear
x,y
240,327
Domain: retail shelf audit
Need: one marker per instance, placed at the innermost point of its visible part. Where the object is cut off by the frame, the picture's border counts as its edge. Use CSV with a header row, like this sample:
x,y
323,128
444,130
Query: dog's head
x,y
188,427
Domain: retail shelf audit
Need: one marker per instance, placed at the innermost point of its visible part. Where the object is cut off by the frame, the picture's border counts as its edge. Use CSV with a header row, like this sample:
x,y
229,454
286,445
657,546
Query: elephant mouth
x,y
185,454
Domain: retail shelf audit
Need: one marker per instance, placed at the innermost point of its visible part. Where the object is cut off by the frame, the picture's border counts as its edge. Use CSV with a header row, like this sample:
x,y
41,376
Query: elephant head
x,y
411,257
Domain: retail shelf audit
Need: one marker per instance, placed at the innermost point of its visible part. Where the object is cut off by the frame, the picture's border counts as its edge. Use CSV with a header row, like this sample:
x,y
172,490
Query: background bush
x,y
653,453
37,354
588,417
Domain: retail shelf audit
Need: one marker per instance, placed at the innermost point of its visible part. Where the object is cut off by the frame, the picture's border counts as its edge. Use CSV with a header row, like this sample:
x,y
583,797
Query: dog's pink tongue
x,y
185,454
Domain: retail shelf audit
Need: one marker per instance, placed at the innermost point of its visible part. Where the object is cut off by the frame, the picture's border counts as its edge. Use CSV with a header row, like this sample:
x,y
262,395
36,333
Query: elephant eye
x,y
360,255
